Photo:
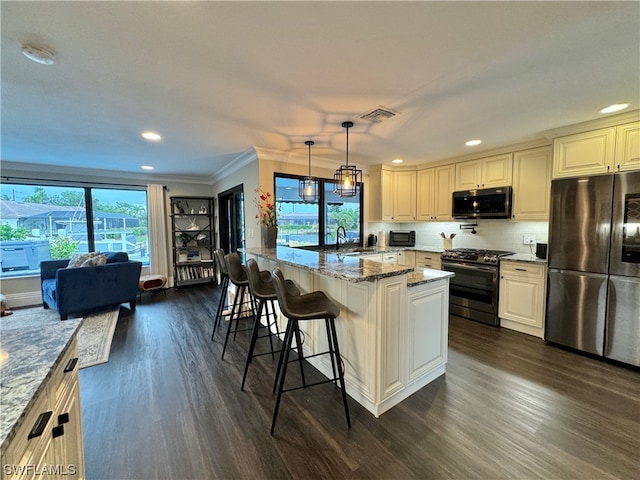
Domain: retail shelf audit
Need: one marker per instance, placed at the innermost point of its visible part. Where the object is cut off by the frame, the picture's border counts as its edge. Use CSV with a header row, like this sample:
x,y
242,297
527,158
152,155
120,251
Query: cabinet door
x,y
426,194
444,183
468,175
586,153
522,293
628,147
532,184
428,318
497,171
387,182
405,196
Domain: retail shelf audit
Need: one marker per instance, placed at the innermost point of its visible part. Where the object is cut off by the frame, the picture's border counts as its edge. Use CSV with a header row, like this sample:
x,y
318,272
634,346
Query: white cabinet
x,y
393,195
428,260
426,199
597,151
49,441
495,171
521,303
445,178
427,335
407,258
532,184
389,257
628,147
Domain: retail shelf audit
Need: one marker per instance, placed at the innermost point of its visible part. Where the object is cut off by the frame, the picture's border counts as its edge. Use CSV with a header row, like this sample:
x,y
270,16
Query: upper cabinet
x,y
628,147
435,188
597,151
393,195
495,171
531,184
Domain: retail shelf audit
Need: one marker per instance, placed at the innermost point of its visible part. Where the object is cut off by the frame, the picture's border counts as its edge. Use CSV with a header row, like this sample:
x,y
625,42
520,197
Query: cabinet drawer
x,y
530,270
389,258
66,373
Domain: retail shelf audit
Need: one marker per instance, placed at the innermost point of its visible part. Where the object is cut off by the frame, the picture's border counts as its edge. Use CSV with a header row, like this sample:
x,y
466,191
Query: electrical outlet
x,y
528,239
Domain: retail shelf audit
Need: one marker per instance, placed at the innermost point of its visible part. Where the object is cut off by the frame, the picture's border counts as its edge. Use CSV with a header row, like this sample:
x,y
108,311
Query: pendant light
x,y
347,178
308,186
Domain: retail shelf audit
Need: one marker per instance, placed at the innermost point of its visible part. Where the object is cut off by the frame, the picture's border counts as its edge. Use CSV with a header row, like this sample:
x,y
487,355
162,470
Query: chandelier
x,y
308,186
347,178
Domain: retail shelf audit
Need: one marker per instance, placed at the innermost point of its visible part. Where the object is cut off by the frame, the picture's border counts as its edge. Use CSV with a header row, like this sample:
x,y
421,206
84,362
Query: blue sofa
x,y
80,290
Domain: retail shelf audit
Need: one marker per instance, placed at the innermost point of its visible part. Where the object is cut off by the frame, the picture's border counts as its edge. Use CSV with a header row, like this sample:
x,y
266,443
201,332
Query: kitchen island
x,y
393,322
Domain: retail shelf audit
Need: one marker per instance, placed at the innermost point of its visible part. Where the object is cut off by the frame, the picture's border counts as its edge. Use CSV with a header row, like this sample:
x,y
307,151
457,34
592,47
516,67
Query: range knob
x,y
494,259
487,259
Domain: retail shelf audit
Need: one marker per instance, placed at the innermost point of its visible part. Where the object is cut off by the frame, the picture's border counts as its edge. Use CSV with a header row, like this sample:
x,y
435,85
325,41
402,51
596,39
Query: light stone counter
x,y
28,356
525,257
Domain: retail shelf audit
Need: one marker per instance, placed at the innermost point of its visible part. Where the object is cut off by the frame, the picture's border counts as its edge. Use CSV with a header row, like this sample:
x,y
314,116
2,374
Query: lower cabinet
x,y
521,305
428,260
48,444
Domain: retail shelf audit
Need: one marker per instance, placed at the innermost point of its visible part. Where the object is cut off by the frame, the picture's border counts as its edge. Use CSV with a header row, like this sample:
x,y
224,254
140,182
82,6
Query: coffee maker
x,y
372,240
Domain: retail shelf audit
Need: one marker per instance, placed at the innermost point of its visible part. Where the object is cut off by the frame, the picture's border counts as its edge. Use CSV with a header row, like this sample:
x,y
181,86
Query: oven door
x,y
473,292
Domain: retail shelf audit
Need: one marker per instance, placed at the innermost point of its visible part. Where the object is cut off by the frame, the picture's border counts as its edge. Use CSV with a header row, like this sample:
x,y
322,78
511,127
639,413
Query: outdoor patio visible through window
x,y
40,222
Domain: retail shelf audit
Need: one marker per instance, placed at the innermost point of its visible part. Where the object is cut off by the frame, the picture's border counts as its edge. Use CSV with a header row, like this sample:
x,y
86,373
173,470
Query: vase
x,y
269,237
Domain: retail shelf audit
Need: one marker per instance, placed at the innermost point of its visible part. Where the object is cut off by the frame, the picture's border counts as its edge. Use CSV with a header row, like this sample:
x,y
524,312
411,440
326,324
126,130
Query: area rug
x,y
94,336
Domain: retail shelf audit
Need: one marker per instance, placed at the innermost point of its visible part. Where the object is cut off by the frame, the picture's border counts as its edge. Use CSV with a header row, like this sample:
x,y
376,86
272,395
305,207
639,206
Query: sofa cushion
x,y
115,257
49,291
95,261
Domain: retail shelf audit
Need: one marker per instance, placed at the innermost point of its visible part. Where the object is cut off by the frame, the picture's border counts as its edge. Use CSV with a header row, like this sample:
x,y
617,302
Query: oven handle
x,y
466,266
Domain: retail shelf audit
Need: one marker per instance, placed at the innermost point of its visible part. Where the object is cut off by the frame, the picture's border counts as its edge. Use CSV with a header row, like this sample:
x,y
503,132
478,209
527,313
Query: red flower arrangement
x,y
266,208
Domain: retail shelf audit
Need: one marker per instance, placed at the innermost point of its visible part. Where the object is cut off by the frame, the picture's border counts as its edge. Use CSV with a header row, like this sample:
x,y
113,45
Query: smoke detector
x,y
40,55
378,114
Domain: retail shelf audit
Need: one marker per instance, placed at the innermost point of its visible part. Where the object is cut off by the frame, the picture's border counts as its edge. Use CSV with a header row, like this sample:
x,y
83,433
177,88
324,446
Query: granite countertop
x,y
426,275
28,356
426,248
525,257
345,266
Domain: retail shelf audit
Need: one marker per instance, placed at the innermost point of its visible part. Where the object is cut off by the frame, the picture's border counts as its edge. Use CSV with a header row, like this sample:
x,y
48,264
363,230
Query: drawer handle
x,y
71,365
57,431
521,269
63,418
40,424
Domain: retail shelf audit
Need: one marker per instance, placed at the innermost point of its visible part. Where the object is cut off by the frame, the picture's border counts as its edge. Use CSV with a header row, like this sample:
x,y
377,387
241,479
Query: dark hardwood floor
x,y
166,407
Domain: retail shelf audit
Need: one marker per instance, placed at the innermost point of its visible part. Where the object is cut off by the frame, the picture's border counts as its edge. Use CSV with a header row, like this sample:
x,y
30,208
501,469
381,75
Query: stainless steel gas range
x,y
474,289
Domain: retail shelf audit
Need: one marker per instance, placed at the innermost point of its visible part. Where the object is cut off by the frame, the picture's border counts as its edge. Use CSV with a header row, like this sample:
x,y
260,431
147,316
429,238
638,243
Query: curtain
x,y
158,232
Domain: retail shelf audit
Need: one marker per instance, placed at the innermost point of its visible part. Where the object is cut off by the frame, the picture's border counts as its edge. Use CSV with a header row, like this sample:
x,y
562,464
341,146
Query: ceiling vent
x,y
379,114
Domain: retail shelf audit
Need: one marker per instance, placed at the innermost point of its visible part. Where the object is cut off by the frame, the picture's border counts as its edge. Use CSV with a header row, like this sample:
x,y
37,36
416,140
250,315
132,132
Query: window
x,y
42,222
302,224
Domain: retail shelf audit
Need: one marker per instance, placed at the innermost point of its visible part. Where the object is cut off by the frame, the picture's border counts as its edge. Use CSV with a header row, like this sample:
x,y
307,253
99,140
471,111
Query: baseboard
x,y
27,299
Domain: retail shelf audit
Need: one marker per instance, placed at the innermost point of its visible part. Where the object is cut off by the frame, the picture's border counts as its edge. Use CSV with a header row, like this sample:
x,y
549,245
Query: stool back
x,y
259,288
237,273
282,293
222,264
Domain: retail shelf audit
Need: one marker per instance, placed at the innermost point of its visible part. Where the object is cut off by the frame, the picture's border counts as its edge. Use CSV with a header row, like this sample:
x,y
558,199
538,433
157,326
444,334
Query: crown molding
x,y
247,157
603,122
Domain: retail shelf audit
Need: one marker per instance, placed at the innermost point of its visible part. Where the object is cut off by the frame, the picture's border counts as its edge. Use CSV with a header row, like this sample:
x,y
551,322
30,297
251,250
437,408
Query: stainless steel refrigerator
x,y
593,288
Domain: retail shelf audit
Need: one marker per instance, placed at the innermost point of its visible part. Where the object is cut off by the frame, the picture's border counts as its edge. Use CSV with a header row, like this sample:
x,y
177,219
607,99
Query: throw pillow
x,y
115,257
79,258
95,261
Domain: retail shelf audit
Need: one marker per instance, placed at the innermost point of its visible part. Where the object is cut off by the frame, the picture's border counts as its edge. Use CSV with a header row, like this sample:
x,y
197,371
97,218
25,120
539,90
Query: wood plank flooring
x,y
166,407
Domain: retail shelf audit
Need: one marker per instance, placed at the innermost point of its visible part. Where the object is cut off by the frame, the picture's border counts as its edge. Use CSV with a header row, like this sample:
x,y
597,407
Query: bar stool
x,y
238,277
309,306
218,255
263,291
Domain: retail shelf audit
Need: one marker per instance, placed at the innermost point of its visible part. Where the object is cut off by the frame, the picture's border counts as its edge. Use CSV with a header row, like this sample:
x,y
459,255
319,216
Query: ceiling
x,y
218,78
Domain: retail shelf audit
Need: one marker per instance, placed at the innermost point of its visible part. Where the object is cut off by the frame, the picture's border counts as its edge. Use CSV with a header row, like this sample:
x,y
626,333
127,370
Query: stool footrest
x,y
331,380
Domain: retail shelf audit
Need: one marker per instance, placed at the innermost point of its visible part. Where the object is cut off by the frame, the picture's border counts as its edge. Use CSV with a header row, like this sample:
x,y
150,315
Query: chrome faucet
x,y
339,236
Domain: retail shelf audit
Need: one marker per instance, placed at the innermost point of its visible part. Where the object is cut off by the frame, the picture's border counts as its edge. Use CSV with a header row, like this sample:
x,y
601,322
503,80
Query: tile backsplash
x,y
491,234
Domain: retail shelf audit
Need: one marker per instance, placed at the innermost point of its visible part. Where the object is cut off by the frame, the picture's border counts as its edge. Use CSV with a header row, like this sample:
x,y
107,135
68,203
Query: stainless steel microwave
x,y
482,203
402,238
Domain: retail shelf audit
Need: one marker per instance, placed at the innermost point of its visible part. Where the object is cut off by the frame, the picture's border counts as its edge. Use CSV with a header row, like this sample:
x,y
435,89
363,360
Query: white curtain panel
x,y
158,232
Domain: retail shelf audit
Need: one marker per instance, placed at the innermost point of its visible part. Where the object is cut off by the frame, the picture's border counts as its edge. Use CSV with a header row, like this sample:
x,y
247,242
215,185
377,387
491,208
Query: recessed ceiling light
x,y
151,136
473,143
146,167
616,107
397,160
40,55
